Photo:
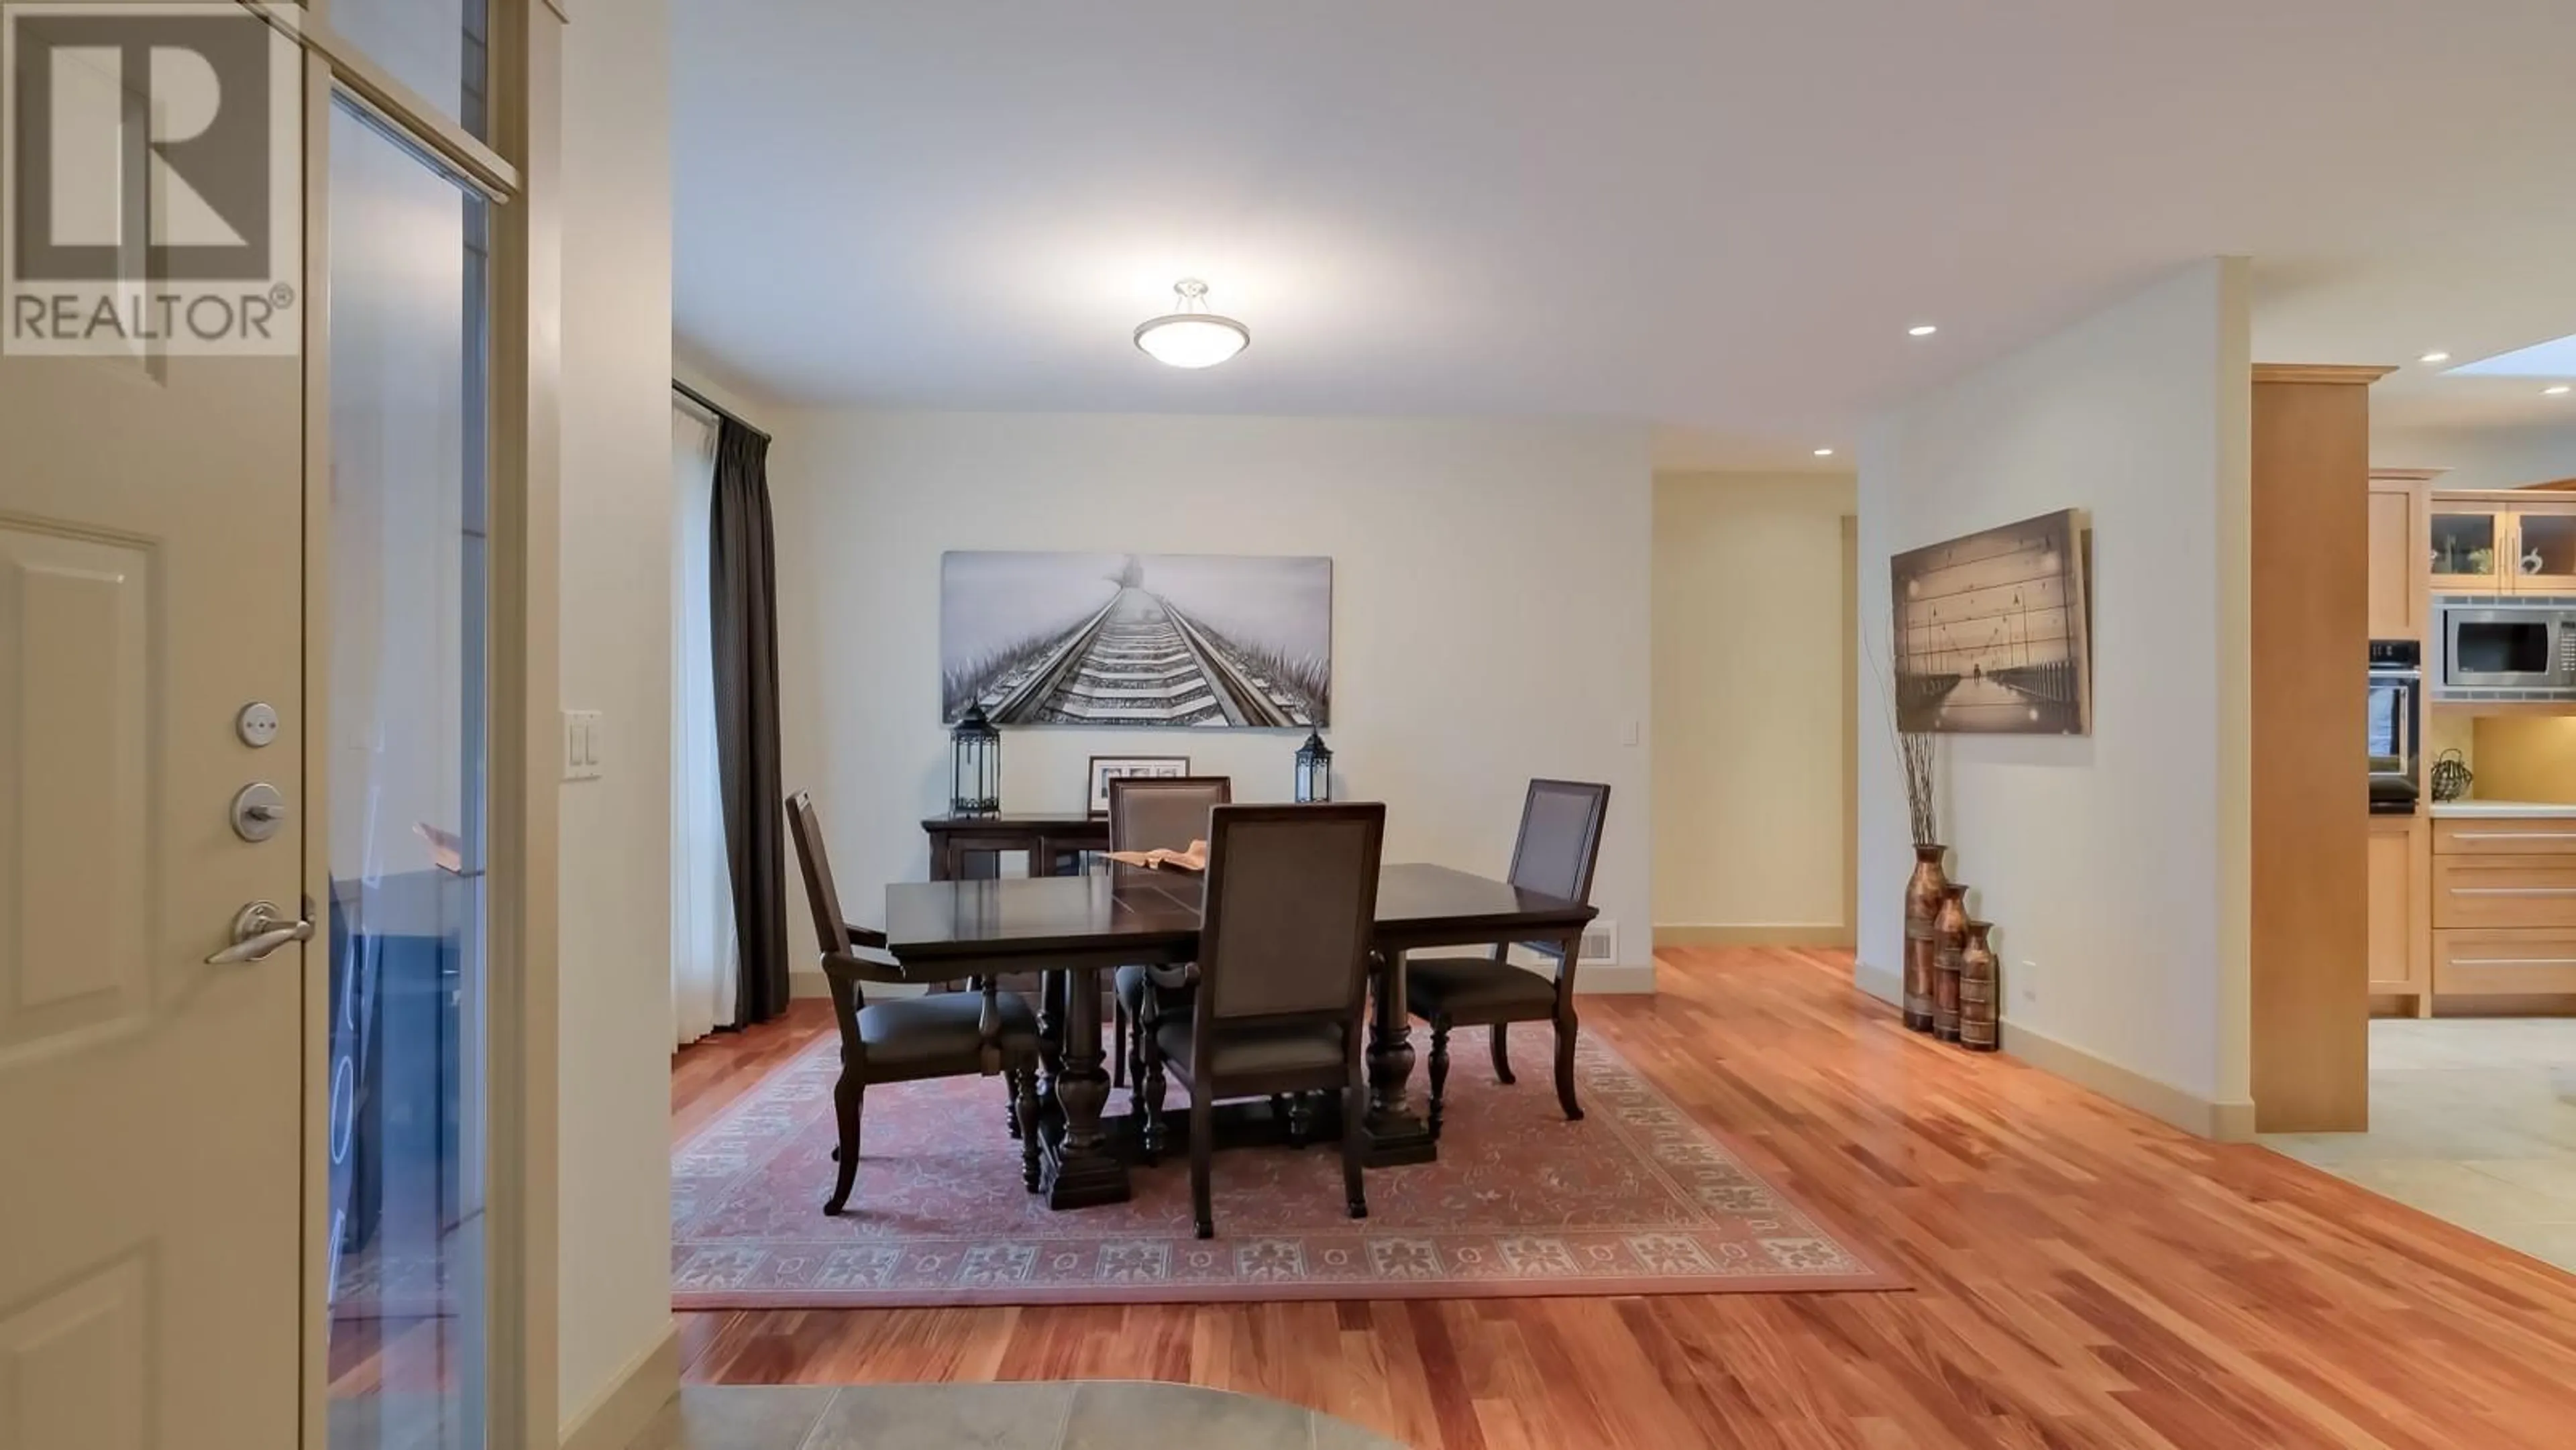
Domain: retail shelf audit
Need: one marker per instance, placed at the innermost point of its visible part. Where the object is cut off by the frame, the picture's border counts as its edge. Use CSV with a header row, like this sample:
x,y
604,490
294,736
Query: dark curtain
x,y
743,600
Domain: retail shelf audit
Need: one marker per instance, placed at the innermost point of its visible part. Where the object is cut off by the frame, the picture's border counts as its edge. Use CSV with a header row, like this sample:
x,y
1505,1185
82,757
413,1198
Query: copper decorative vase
x,y
1950,942
1922,906
1979,998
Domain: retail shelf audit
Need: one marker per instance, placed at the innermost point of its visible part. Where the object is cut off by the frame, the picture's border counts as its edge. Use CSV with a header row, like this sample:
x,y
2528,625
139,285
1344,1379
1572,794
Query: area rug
x,y
1635,1199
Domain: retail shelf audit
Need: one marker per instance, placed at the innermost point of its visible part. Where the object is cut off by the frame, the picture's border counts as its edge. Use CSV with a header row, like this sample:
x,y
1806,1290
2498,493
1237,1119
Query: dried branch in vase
x,y
1915,751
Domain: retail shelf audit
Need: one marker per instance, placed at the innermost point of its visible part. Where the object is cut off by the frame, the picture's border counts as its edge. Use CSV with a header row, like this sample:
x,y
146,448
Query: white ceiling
x,y
1716,216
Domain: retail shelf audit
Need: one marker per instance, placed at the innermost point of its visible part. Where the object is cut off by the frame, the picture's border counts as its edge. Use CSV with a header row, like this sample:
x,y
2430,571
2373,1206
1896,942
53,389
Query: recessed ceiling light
x,y
2434,357
1921,329
1190,336
2557,391
1824,453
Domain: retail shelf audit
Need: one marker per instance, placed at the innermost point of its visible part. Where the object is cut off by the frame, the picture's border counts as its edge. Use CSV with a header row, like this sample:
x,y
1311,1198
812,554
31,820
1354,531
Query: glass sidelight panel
x,y
406,625
440,48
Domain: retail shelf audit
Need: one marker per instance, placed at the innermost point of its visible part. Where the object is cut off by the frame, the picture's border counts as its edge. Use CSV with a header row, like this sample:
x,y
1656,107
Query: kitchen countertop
x,y
2505,809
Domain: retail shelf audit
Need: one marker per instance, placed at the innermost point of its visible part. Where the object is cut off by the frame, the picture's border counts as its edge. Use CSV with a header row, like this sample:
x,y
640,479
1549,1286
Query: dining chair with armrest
x,y
1284,937
1560,840
954,1034
1147,814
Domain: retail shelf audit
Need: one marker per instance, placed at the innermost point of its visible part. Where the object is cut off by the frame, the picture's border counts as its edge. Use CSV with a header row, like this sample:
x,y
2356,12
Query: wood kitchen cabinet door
x,y
2401,941
2469,543
2544,539
2400,530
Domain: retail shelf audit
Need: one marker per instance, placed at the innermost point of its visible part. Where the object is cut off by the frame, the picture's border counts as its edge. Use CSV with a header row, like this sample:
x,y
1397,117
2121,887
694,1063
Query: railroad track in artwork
x,y
1141,661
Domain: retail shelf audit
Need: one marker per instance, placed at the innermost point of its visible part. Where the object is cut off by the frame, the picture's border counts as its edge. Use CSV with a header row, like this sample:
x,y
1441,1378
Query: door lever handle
x,y
257,931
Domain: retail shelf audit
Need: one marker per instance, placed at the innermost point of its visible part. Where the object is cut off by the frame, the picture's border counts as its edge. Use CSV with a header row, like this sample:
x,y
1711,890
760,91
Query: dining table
x,y
1075,928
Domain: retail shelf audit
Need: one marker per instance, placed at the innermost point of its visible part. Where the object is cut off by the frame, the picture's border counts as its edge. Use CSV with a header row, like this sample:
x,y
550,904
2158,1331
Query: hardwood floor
x,y
2084,1276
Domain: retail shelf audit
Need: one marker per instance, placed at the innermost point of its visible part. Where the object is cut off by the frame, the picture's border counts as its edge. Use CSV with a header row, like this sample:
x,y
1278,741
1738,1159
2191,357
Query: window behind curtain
x,y
704,959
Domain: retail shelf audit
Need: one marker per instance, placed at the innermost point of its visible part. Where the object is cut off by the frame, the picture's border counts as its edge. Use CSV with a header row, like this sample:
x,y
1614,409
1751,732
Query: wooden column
x,y
2311,787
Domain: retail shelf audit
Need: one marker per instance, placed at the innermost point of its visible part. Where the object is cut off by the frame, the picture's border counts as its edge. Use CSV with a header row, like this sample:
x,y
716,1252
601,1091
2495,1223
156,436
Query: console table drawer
x,y
2503,963
2503,891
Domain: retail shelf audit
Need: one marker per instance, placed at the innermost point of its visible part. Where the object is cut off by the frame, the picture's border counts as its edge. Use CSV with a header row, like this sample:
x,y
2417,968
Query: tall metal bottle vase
x,y
1922,907
1950,937
1979,998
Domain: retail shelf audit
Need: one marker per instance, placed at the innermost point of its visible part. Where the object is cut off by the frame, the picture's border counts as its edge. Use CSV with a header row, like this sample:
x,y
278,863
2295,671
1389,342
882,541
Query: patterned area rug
x,y
1635,1199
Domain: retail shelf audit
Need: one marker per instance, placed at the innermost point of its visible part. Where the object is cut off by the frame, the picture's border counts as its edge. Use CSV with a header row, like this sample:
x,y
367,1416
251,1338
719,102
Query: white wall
x,y
1748,661
2101,857
1490,614
614,1267
2480,457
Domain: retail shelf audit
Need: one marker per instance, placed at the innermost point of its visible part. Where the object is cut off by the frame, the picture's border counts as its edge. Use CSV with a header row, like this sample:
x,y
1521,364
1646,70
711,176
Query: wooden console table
x,y
959,845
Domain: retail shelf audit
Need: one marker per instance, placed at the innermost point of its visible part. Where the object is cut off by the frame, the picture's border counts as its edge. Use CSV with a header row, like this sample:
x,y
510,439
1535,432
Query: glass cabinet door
x,y
2545,551
2467,550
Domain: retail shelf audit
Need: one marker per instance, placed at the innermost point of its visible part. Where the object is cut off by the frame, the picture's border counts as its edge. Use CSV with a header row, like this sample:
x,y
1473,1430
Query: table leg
x,y
1396,1135
1051,990
1080,1170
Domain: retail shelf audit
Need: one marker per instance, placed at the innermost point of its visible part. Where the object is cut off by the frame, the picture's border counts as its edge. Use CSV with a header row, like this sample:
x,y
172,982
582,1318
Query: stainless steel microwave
x,y
2497,646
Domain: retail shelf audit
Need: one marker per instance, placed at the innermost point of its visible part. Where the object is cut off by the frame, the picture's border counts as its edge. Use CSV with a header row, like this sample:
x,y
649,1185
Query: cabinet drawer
x,y
2507,836
2503,963
2504,891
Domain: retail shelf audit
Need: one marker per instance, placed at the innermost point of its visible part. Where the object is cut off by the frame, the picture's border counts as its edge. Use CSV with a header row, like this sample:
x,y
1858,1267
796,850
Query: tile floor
x,y
1091,1415
2472,1120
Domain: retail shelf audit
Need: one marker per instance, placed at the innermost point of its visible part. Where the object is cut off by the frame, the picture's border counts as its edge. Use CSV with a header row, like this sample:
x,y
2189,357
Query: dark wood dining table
x,y
1082,926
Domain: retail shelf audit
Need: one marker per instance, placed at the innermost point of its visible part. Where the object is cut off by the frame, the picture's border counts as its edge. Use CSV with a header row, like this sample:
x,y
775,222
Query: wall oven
x,y
2396,726
2488,645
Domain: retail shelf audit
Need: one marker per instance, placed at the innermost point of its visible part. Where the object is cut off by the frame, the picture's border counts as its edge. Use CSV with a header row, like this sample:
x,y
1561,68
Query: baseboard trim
x,y
1886,984
618,1416
2201,1117
1774,934
1605,979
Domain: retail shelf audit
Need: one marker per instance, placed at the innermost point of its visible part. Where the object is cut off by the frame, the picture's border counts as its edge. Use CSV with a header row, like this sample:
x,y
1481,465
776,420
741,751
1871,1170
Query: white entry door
x,y
151,1168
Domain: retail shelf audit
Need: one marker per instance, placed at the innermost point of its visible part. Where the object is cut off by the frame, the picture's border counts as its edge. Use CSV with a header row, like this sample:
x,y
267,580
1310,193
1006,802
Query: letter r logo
x,y
142,143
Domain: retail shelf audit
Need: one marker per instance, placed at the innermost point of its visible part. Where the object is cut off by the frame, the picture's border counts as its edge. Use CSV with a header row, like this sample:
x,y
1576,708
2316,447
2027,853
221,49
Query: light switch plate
x,y
581,756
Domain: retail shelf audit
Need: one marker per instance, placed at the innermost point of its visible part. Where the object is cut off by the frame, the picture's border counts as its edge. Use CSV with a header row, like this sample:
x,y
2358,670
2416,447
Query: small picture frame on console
x,y
1106,768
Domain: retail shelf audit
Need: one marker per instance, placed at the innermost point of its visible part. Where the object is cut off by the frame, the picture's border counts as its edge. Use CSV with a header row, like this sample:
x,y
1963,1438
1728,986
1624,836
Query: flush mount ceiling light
x,y
2435,357
1190,336
1824,453
1921,329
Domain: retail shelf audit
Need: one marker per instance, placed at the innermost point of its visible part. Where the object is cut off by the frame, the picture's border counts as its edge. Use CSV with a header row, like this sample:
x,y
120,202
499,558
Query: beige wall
x,y
2103,859
613,1267
1490,615
2523,758
2480,457
1749,657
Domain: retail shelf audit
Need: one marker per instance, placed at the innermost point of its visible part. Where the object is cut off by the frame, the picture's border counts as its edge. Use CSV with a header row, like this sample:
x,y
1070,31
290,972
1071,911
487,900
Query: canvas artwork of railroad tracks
x,y
1207,640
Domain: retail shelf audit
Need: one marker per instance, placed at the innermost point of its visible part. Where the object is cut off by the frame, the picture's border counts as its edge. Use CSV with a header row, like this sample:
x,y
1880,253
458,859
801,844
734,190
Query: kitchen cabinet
x,y
2401,942
2506,542
2503,901
2505,963
2400,521
2545,540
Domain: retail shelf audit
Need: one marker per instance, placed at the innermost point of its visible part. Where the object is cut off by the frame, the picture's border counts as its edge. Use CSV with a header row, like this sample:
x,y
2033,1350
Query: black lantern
x,y
1314,769
974,765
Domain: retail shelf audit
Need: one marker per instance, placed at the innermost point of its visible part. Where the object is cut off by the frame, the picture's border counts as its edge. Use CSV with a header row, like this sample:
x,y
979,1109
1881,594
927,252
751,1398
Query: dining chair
x,y
907,1039
1284,934
1147,814
1560,840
